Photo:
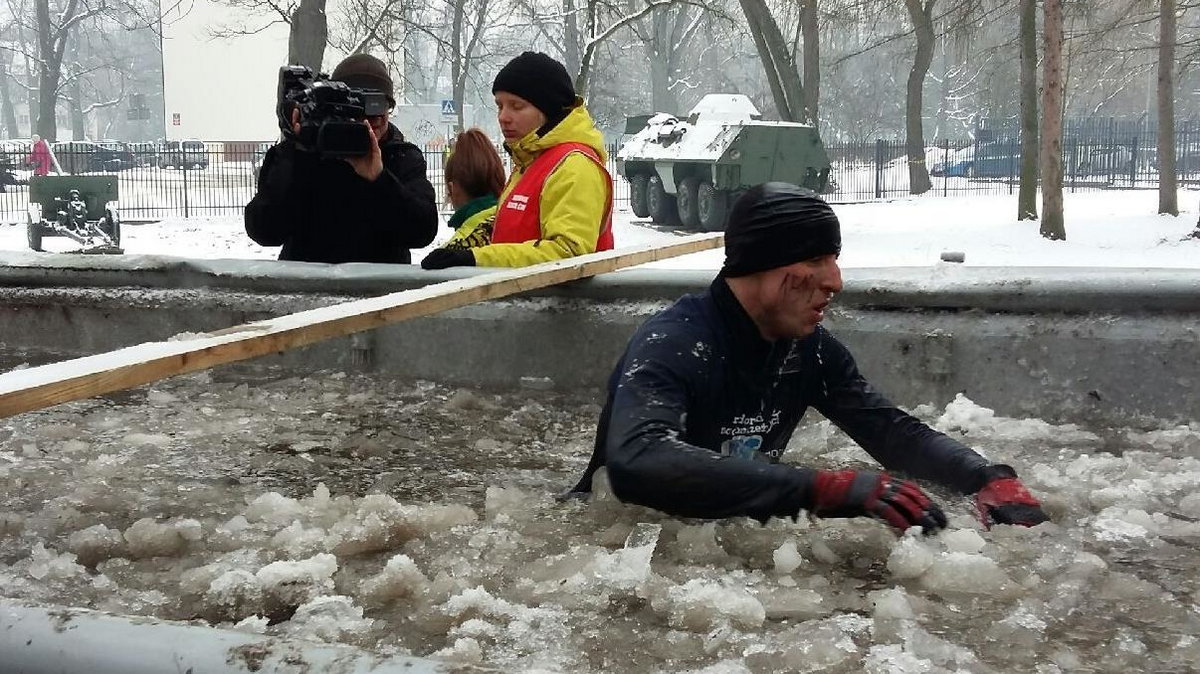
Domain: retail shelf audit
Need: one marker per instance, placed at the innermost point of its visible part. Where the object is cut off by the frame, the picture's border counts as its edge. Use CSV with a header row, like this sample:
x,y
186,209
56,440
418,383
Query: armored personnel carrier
x,y
689,171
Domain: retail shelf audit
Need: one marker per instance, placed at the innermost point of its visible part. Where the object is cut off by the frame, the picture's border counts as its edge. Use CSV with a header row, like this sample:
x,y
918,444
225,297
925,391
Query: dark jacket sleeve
x,y
650,464
896,439
282,202
405,195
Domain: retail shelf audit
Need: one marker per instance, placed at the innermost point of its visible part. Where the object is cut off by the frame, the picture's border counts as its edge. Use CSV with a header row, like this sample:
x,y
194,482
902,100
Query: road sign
x,y
174,119
449,110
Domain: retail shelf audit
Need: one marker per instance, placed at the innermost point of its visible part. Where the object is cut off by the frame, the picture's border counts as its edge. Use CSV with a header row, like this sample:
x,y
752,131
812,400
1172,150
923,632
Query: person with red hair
x,y
474,176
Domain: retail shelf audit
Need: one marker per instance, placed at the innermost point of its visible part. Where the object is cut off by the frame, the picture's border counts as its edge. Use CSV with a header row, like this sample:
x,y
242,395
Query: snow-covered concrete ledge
x,y
45,640
1080,344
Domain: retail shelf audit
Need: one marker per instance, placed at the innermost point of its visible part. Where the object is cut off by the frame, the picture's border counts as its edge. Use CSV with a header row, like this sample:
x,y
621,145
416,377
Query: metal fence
x,y
221,180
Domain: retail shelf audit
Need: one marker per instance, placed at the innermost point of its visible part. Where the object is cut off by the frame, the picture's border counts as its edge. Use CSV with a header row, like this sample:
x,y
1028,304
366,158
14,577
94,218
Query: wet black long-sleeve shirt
x,y
320,210
701,407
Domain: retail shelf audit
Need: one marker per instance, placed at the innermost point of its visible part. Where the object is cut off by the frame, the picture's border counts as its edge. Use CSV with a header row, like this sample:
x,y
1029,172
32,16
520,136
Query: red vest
x,y
518,219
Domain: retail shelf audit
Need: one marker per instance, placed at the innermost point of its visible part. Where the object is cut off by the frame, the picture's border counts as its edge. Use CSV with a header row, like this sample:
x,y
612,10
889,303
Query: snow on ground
x,y
415,518
1106,229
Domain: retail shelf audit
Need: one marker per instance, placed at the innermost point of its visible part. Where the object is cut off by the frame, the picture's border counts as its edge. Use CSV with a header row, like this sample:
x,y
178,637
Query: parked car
x,y
144,154
182,154
85,156
986,160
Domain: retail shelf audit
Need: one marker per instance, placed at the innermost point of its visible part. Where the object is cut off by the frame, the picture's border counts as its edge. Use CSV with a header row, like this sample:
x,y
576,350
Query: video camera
x,y
331,112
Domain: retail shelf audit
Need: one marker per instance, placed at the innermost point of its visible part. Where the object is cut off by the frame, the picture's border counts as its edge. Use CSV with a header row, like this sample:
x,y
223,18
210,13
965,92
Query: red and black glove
x,y
864,493
1004,500
440,258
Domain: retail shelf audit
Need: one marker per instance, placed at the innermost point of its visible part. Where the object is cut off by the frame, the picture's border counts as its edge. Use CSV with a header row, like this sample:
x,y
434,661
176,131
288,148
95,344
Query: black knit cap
x,y
542,81
363,71
777,224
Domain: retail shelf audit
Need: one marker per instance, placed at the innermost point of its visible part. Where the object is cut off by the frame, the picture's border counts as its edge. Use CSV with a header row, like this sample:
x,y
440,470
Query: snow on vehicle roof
x,y
702,136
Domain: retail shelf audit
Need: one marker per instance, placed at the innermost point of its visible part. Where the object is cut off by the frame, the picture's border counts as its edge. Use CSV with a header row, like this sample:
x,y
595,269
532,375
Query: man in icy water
x,y
702,404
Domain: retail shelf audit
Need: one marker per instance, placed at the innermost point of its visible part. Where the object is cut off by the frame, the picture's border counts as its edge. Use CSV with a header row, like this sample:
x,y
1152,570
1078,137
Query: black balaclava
x,y
540,80
777,224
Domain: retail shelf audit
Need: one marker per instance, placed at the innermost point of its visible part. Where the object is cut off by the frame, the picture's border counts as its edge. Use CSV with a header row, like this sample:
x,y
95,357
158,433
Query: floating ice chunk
x,y
147,538
11,524
793,603
787,558
1118,524
252,624
157,397
275,508
697,543
234,595
295,582
96,544
892,604
399,578
910,557
893,659
962,540
512,502
148,439
965,573
464,649
328,618
47,564
700,605
298,541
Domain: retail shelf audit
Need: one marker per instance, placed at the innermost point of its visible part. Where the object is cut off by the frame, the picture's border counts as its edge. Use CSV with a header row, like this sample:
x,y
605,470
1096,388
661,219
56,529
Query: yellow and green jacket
x,y
473,223
573,199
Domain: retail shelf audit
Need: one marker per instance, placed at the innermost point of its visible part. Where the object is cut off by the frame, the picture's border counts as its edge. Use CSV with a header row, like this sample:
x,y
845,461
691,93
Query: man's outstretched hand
x,y
1004,500
864,493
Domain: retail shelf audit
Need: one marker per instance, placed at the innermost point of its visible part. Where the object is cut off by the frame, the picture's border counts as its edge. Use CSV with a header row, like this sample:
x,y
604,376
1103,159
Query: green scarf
x,y
471,208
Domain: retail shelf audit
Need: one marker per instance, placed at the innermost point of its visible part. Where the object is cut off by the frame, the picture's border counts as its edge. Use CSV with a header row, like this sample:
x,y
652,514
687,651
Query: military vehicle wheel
x,y
33,233
111,226
712,207
661,204
638,188
686,201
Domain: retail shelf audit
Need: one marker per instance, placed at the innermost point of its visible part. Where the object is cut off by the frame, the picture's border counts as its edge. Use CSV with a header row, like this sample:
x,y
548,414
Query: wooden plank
x,y
38,387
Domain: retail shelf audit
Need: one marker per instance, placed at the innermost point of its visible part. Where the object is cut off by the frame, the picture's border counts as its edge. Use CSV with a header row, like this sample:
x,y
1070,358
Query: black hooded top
x,y
320,210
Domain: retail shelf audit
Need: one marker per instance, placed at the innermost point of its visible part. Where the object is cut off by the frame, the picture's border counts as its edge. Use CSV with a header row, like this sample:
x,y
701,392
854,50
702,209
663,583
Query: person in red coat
x,y
39,158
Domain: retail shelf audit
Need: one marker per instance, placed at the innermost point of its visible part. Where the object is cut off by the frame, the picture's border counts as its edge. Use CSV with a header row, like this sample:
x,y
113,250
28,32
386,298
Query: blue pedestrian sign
x,y
448,108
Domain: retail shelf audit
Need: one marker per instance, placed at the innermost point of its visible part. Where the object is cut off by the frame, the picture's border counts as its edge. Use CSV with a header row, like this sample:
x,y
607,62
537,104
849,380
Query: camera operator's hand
x,y
370,165
296,121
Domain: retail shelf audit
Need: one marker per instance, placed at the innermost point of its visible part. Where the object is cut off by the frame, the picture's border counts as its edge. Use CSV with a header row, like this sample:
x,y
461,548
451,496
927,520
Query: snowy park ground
x,y
411,517
1106,229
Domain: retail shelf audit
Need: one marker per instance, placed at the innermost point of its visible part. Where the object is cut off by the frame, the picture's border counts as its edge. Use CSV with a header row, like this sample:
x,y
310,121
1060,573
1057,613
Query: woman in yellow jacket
x,y
558,200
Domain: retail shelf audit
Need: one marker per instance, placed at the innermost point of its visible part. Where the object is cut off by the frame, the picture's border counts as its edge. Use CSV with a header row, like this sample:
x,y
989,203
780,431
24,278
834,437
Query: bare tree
x,y
1167,180
810,29
464,38
920,13
308,35
1027,192
1052,226
779,63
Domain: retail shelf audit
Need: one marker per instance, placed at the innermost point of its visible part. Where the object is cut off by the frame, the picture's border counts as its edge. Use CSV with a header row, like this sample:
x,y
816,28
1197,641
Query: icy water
x,y
415,518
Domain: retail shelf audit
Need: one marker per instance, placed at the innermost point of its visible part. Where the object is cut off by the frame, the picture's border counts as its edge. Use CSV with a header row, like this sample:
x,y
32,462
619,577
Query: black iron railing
x,y
221,178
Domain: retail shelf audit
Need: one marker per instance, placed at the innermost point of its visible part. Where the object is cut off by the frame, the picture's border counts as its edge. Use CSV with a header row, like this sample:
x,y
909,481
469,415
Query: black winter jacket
x,y
701,407
320,210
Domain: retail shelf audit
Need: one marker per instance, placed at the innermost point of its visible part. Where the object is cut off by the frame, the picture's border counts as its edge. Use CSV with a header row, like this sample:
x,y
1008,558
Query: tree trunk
x,y
308,34
1027,193
9,110
1168,201
75,108
457,61
1052,106
922,19
572,58
660,53
50,53
810,29
778,62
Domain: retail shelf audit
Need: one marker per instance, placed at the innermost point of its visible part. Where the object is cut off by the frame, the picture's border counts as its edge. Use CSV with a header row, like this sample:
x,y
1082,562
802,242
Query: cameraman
x,y
371,208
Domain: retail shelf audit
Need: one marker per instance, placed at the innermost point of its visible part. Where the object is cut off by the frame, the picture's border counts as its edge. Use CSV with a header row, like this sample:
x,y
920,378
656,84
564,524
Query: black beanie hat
x,y
777,224
363,71
540,80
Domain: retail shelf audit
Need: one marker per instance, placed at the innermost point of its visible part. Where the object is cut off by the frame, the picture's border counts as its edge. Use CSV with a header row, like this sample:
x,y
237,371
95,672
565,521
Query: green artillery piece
x,y
79,207
690,170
